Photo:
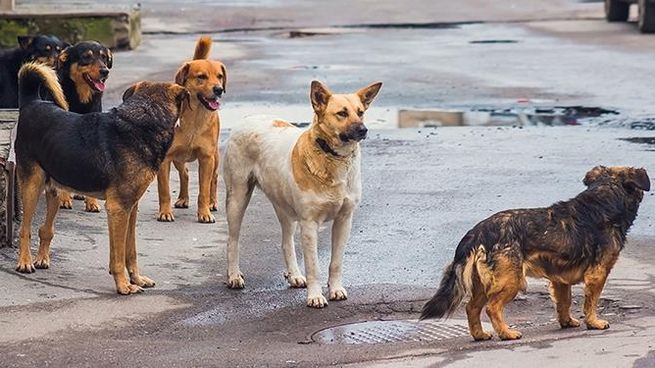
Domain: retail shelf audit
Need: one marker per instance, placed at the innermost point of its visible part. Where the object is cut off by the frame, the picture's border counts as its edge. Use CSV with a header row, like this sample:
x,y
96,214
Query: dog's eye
x,y
360,113
220,77
202,76
342,114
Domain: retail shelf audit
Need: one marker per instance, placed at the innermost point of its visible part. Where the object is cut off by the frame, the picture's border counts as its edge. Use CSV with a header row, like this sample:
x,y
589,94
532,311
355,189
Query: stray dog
x,y
44,49
574,241
310,176
113,156
83,70
196,138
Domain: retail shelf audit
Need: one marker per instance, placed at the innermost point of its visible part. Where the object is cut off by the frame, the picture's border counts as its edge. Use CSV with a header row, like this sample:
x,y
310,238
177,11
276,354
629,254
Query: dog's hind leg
x,y
293,274
164,189
238,193
131,255
340,234
183,197
474,308
31,182
47,230
594,280
506,282
213,192
561,295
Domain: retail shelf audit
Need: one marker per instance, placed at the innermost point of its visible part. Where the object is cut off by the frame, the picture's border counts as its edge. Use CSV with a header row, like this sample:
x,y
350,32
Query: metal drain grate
x,y
380,332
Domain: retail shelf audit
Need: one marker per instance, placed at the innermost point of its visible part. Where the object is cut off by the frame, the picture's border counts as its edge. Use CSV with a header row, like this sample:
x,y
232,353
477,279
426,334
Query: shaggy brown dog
x,y
111,155
197,136
567,243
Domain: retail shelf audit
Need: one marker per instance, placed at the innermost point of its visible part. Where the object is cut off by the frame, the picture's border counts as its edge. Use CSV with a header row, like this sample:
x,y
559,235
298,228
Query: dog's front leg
x,y
118,218
594,280
340,234
206,172
309,236
164,189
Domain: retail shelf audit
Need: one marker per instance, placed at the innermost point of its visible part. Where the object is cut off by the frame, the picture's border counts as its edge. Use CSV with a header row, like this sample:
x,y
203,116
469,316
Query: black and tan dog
x,y
112,156
567,243
43,48
83,70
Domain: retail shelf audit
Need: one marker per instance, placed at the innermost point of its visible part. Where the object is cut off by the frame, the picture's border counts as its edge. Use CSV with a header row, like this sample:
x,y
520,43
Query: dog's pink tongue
x,y
214,104
100,86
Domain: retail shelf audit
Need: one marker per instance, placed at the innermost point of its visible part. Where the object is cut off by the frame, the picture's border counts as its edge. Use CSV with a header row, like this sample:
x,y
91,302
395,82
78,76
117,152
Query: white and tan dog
x,y
310,176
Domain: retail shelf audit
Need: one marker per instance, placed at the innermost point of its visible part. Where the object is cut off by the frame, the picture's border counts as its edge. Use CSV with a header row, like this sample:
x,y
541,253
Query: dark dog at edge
x,y
42,48
567,243
112,156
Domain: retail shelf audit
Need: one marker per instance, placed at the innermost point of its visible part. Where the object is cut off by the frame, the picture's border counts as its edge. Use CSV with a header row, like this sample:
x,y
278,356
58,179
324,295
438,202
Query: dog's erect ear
x,y
637,178
319,94
224,77
24,42
594,174
181,75
63,55
367,94
130,91
110,59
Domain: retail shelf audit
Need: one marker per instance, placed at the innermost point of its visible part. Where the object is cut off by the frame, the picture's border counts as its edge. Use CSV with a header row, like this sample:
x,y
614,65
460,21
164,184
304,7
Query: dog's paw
x,y
66,204
482,336
213,207
79,197
236,281
42,262
182,203
338,293
127,289
316,301
510,335
296,281
597,324
571,322
206,218
142,281
166,216
91,206
25,266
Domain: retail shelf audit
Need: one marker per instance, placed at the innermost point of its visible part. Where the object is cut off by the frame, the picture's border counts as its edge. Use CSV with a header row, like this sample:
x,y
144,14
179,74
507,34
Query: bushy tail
x,y
203,47
34,75
452,290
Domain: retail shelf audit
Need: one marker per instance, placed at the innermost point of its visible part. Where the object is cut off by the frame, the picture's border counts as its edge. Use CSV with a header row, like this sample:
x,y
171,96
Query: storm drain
x,y
381,332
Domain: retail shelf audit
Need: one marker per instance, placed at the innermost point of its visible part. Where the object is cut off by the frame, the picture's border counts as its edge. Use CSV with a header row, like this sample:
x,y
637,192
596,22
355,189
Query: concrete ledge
x,y
115,29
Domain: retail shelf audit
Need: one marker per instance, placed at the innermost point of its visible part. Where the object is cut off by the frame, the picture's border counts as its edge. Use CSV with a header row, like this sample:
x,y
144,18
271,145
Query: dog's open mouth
x,y
211,103
97,85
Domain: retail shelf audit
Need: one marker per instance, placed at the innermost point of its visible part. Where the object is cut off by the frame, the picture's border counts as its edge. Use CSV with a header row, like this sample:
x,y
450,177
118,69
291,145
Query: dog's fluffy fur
x,y
310,177
42,48
567,243
83,70
112,156
197,136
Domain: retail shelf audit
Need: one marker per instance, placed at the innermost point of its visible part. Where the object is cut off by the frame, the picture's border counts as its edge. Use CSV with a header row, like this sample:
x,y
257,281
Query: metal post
x,y
7,5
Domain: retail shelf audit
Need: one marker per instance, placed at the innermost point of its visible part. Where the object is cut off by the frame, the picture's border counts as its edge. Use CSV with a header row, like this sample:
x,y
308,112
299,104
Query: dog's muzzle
x,y
355,132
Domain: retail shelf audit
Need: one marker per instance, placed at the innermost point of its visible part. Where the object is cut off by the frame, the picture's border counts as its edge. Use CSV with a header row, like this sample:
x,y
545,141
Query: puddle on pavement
x,y
381,332
511,116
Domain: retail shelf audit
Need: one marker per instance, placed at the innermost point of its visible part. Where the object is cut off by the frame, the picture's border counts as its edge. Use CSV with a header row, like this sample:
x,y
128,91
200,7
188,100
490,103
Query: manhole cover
x,y
380,332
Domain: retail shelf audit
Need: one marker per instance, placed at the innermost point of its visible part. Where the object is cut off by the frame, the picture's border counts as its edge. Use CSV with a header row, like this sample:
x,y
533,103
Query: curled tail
x,y
455,283
203,47
34,75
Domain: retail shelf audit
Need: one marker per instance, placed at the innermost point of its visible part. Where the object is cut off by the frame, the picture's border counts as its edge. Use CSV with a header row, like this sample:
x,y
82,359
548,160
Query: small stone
x,y
631,306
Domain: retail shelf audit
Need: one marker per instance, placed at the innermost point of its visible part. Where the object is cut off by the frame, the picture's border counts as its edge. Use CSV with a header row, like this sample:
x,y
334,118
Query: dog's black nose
x,y
104,72
359,131
218,91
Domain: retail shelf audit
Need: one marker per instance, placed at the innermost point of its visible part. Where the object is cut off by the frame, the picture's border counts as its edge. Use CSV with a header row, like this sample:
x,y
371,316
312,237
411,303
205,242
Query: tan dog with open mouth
x,y
310,176
196,138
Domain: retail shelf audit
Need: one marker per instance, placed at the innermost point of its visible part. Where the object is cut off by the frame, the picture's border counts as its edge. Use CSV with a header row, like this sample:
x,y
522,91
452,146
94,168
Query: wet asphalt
x,y
423,188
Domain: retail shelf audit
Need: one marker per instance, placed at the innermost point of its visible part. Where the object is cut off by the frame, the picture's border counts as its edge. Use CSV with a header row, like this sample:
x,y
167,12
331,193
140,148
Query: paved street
x,y
423,189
